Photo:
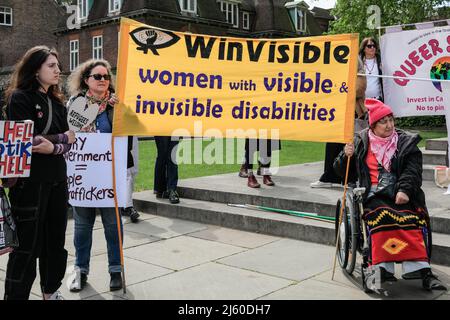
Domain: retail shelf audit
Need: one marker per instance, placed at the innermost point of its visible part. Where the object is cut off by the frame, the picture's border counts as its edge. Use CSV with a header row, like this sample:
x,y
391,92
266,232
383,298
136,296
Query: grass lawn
x,y
292,152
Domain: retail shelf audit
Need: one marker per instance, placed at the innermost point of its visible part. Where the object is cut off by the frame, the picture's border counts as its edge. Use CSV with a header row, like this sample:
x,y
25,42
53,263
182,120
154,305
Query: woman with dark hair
x,y
92,80
39,203
369,53
388,164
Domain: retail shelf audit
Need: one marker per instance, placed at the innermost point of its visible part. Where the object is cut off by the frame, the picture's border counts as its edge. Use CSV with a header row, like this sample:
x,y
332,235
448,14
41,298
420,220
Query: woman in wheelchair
x,y
388,164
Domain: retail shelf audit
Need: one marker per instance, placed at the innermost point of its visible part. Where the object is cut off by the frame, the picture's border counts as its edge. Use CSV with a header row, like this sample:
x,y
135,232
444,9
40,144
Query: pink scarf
x,y
383,148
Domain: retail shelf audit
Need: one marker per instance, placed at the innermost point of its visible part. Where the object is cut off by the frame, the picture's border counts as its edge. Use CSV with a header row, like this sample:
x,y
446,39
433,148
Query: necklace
x,y
367,67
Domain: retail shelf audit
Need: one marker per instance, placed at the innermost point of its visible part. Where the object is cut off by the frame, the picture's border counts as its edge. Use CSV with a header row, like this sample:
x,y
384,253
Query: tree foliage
x,y
352,15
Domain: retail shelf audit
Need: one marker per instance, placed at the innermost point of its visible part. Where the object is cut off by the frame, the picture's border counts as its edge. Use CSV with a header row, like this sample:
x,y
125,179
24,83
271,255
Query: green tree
x,y
352,15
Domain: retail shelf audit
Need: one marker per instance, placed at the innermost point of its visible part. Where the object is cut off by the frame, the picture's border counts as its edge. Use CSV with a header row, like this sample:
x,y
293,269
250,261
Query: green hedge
x,y
424,121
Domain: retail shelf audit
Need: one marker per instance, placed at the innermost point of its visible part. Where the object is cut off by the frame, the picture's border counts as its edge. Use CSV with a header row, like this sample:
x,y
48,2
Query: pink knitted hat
x,y
377,110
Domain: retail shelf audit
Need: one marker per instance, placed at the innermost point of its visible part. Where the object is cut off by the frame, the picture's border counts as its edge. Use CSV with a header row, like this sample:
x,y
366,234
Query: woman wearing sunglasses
x,y
368,52
93,81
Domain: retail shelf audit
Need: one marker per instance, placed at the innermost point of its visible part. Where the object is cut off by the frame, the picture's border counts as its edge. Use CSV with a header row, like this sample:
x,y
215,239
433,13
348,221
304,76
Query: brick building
x,y
24,24
98,35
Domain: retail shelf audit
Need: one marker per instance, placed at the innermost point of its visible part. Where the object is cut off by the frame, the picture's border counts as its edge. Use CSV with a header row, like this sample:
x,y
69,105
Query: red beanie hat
x,y
377,110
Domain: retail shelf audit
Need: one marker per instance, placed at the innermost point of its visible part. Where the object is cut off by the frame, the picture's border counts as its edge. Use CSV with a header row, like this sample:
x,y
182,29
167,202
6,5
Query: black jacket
x,y
406,164
33,105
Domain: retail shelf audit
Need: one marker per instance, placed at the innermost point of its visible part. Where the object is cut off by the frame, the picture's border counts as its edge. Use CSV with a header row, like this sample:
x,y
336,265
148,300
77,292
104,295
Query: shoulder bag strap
x,y
50,116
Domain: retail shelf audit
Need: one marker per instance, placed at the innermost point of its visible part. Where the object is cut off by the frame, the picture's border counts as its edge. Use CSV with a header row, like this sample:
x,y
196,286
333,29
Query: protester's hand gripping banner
x,y
303,87
416,54
16,142
89,170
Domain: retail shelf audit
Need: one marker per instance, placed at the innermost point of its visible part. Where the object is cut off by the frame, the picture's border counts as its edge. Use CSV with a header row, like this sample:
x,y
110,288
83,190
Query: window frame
x,y
74,52
303,20
5,15
83,7
245,26
112,3
97,48
191,6
227,9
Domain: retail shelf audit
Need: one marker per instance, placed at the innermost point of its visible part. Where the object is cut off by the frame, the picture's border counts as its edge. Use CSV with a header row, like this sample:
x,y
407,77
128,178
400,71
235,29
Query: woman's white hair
x,y
75,82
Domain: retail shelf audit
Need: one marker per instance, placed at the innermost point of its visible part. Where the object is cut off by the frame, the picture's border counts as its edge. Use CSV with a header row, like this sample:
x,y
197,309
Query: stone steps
x,y
322,204
275,224
434,154
439,144
433,157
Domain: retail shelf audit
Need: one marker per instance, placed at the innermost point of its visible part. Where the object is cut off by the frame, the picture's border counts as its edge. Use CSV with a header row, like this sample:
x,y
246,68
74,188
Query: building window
x,y
83,10
298,16
74,54
114,6
300,24
97,47
246,20
188,5
6,18
231,12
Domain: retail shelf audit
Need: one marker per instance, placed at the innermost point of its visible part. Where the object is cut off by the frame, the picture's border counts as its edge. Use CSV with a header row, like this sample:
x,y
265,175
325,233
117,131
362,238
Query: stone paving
x,y
176,259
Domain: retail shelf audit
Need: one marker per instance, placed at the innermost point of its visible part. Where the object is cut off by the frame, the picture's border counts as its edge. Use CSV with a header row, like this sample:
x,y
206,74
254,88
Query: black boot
x,y
173,197
431,282
386,276
116,281
132,213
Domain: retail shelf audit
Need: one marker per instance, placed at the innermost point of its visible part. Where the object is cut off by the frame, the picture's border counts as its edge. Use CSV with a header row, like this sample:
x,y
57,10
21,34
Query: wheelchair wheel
x,y
343,242
348,235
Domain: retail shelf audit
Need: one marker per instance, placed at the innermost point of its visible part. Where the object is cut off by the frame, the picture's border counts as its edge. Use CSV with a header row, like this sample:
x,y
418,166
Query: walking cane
x,y
340,215
119,231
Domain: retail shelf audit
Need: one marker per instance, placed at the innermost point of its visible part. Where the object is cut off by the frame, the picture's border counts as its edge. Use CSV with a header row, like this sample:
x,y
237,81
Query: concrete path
x,y
175,259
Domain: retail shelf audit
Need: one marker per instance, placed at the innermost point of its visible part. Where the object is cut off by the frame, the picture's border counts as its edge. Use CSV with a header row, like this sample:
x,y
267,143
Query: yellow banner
x,y
183,84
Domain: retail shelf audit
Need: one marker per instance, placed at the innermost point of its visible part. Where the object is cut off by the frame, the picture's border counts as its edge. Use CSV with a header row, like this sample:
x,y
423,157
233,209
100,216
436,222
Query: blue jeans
x,y
84,223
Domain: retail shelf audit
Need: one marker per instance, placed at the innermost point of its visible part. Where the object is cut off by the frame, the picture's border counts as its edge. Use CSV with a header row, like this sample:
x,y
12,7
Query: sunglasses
x,y
99,77
370,46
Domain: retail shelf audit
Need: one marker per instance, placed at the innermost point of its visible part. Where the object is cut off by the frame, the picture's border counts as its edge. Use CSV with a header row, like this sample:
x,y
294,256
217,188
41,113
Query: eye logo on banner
x,y
152,39
440,71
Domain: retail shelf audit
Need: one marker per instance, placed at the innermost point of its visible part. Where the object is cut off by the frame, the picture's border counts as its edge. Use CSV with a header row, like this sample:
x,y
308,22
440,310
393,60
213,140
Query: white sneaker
x,y
320,184
56,296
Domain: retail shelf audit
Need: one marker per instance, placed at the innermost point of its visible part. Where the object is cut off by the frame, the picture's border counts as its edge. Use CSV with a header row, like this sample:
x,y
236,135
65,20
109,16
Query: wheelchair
x,y
353,233
354,239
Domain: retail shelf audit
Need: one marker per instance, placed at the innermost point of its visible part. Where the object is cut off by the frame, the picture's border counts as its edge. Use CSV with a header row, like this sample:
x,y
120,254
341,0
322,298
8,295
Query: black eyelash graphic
x,y
152,39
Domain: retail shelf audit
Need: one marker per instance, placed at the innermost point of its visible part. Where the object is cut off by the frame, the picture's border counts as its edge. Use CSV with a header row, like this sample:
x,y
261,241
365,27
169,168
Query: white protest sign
x,y
81,113
16,141
89,170
416,54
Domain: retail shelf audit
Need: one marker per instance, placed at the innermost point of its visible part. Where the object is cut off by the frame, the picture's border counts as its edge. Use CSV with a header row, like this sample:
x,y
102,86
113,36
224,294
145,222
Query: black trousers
x,y
166,170
265,150
332,150
40,213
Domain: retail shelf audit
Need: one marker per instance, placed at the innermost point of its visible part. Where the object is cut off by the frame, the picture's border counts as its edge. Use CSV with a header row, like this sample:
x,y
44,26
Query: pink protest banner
x,y
16,141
